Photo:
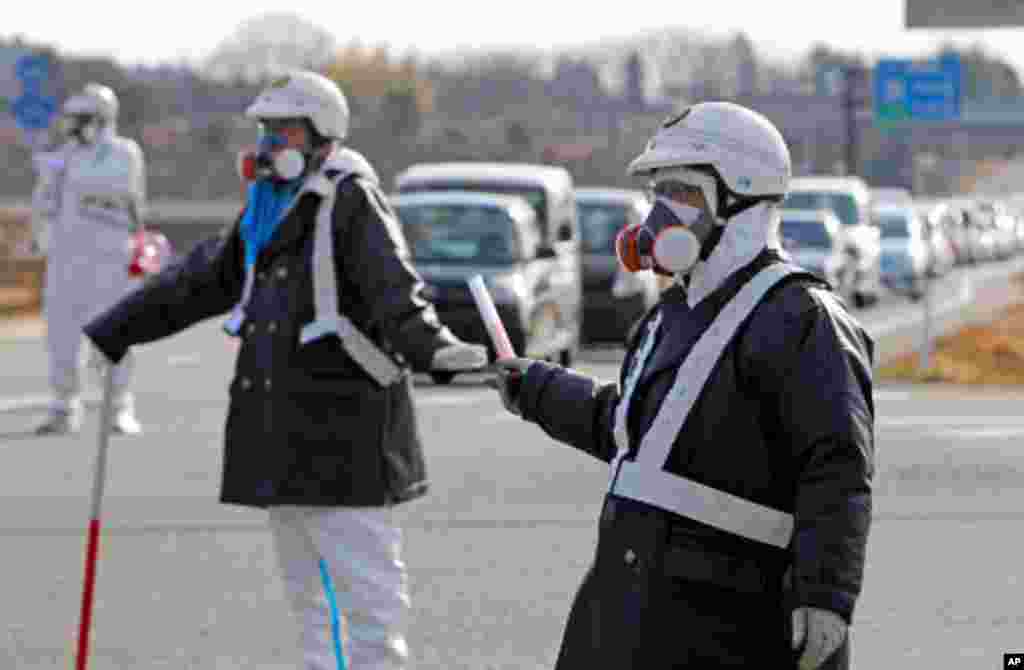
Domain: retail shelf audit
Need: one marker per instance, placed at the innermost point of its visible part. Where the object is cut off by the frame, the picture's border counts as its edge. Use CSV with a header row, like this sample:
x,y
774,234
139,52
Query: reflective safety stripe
x,y
328,318
621,429
645,478
708,505
233,325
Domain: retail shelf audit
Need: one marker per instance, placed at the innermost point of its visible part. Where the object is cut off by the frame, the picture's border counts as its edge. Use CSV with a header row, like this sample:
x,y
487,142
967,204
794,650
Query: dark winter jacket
x,y
305,425
785,420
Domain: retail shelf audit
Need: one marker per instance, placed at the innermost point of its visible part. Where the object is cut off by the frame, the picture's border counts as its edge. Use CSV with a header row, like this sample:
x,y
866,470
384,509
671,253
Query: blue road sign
x,y
34,112
915,91
33,70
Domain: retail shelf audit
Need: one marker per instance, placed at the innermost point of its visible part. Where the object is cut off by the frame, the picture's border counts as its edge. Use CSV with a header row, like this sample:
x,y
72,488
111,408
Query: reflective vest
x,y
645,479
328,319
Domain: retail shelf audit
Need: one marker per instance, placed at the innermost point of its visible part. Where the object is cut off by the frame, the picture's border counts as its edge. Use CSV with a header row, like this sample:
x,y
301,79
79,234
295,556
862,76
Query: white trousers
x,y
361,550
76,292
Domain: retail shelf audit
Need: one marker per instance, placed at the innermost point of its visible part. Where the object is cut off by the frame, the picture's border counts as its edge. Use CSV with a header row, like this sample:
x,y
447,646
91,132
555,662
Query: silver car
x,y
907,259
813,240
850,199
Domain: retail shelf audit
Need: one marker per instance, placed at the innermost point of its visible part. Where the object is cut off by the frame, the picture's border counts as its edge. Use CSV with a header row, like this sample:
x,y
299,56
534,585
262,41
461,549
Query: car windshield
x,y
842,204
797,234
893,225
599,224
453,233
534,196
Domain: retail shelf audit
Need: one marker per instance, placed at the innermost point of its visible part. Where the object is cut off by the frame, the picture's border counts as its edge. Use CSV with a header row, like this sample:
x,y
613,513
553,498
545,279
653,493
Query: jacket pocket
x,y
325,360
333,430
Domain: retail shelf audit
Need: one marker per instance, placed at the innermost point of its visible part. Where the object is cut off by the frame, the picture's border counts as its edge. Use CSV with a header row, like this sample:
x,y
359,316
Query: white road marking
x,y
449,399
38,400
33,401
932,421
184,360
15,403
893,395
977,433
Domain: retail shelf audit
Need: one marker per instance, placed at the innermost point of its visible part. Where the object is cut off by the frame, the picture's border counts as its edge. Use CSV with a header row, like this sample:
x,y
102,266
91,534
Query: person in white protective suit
x,y
87,206
740,433
321,429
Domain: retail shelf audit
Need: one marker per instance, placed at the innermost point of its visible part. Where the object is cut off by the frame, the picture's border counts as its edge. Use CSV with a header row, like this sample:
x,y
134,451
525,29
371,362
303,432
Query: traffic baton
x,y
492,320
93,541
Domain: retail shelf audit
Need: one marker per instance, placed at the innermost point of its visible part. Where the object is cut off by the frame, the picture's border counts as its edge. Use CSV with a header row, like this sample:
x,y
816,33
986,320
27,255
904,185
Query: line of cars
x,y
865,240
544,248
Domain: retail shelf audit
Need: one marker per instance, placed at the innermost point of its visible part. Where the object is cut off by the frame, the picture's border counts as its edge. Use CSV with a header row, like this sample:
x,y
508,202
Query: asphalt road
x,y
496,550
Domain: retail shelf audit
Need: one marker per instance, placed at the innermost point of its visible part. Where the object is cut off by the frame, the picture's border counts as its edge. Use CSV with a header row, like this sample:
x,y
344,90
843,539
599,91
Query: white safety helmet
x,y
741,151
95,100
304,94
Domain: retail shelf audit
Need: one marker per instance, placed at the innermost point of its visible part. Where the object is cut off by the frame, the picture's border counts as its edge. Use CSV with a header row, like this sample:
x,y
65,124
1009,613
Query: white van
x,y
850,199
549,191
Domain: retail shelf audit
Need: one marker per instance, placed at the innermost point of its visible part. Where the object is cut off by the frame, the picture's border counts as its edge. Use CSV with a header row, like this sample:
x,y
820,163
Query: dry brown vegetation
x,y
20,277
990,354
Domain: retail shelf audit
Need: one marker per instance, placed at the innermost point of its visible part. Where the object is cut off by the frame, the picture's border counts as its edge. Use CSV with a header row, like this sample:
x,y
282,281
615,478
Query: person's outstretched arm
x,y
205,283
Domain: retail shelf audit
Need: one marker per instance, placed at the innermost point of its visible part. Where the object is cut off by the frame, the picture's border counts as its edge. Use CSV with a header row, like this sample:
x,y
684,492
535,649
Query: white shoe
x,y
125,423
61,422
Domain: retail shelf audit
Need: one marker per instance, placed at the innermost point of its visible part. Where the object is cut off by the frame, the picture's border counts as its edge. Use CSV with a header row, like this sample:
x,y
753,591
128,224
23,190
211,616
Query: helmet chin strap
x,y
711,241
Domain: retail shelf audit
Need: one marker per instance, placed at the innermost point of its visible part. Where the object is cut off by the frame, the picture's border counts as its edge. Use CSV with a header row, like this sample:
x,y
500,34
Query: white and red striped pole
x,y
491,318
93,541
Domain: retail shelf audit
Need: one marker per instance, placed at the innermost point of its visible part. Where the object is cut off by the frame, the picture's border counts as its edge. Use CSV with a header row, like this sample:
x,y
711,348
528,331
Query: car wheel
x,y
442,377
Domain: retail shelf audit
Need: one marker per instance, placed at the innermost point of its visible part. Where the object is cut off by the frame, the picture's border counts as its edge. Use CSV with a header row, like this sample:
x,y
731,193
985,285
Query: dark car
x,y
455,235
613,299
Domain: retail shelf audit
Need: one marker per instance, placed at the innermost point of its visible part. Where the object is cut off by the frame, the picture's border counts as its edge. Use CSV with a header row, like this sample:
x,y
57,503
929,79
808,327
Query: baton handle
x,y
491,318
93,542
88,589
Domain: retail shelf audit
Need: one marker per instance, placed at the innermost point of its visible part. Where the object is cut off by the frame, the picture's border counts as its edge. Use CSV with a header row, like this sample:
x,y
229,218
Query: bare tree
x,y
268,44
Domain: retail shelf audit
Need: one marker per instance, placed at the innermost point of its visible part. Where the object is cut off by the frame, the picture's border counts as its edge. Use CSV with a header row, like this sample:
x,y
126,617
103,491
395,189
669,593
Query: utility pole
x,y
854,99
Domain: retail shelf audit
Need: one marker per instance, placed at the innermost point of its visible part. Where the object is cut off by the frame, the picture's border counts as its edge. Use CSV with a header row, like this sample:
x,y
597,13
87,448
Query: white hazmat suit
x,y
86,206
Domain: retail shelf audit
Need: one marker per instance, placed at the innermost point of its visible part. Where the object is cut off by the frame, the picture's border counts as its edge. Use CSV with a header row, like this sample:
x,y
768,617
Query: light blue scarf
x,y
267,201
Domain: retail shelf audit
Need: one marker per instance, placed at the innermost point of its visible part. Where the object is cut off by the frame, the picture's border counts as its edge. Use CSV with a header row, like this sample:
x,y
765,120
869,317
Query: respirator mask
x,y
669,240
83,128
270,160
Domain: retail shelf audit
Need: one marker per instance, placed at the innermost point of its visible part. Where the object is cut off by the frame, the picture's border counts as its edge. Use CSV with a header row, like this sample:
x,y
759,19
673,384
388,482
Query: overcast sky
x,y
183,30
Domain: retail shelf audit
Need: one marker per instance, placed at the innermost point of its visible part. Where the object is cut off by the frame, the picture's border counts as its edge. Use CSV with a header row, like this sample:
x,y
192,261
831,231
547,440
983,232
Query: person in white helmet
x,y
321,427
739,435
87,206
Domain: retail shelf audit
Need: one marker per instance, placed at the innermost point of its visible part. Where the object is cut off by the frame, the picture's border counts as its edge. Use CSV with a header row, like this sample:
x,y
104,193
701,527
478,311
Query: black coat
x,y
305,425
786,419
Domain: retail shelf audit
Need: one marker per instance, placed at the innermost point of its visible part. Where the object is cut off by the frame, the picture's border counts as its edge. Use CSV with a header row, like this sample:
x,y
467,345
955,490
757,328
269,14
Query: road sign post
x,y
33,109
907,91
911,92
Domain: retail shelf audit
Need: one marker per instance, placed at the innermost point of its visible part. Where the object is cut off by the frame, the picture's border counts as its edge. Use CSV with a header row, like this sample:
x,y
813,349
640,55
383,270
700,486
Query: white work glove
x,y
820,632
459,357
